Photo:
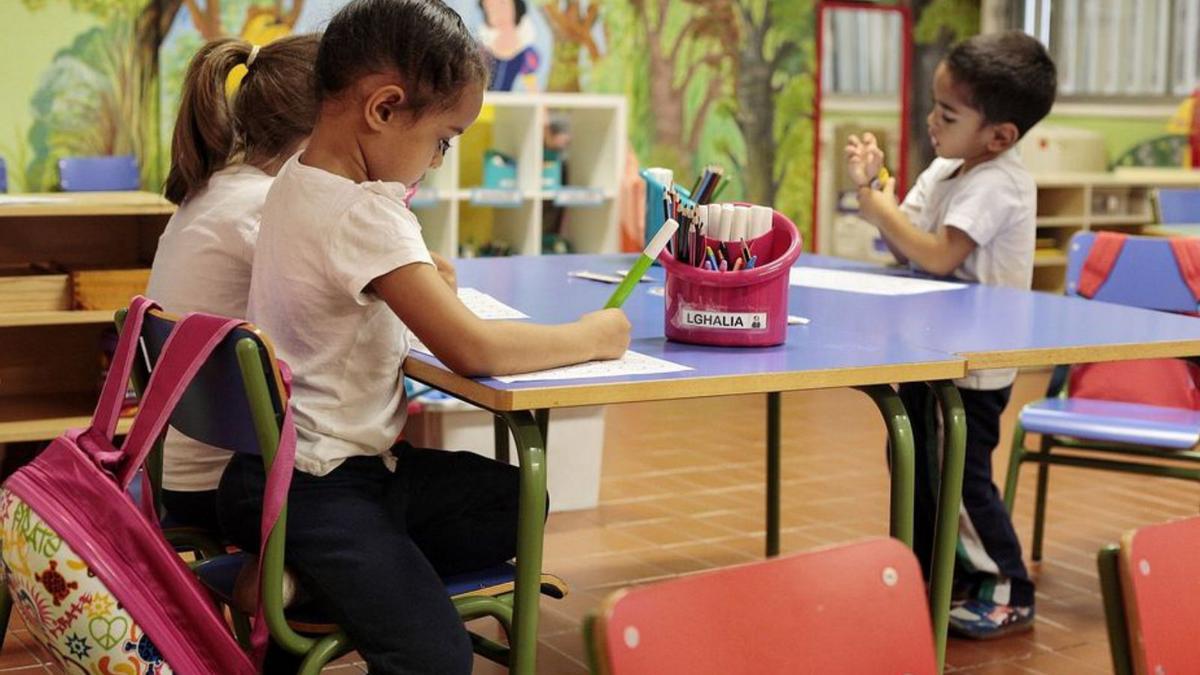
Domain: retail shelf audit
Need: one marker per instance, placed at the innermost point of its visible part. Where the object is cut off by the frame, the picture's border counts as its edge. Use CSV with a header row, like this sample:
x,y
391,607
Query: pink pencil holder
x,y
746,308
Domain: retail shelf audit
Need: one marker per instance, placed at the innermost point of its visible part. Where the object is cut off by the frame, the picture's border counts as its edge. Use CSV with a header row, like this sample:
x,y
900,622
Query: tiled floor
x,y
675,501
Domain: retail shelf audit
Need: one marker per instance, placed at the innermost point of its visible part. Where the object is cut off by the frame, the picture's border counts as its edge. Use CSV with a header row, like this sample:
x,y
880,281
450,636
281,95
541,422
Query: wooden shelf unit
x,y
1070,202
50,365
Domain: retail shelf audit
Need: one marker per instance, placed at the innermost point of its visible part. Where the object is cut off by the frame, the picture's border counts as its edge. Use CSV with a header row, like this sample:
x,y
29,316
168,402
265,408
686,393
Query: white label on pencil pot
x,y
694,318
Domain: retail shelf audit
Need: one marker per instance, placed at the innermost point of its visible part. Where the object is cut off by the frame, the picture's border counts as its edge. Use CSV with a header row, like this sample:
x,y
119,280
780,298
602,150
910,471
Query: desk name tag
x,y
693,318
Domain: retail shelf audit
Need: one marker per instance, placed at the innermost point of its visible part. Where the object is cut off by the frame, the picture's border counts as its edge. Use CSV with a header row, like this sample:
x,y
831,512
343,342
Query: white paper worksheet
x,y
859,282
485,306
632,363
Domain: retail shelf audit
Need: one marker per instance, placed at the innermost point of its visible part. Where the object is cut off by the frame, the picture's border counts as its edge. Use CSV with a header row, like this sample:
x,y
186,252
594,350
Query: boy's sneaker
x,y
983,620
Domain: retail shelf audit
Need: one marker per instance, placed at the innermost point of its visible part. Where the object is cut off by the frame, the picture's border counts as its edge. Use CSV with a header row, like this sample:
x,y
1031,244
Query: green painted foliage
x,y
86,104
959,19
104,9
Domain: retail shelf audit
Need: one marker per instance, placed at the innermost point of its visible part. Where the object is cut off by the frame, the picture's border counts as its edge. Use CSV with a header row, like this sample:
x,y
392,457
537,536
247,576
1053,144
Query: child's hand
x,y
863,159
446,269
872,204
610,330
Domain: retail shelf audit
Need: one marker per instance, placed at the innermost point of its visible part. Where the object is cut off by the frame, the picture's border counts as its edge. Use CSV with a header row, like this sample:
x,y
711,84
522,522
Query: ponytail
x,y
204,129
273,109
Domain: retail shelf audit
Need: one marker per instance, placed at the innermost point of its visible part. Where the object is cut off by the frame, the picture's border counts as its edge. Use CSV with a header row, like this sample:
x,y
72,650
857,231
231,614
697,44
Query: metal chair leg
x,y
1015,458
1039,507
1114,610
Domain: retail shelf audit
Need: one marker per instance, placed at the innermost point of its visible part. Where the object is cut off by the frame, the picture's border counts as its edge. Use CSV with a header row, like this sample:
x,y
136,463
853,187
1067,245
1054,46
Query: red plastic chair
x,y
1150,588
855,608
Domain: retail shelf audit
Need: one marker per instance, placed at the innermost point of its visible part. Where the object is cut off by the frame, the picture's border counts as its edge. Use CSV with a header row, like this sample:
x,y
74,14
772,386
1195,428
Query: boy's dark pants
x,y
989,554
371,546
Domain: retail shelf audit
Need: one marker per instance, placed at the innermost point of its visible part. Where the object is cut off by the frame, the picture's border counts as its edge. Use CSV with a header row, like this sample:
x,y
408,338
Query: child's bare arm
x,y
445,268
472,346
938,253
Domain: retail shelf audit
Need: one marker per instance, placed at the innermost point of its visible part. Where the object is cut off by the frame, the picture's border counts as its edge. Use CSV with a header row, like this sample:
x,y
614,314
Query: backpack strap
x,y
189,345
185,351
112,395
1187,257
1101,259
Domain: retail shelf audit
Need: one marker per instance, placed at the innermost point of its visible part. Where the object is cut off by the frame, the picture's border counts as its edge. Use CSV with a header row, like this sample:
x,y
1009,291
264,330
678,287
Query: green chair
x,y
1149,585
1108,434
237,402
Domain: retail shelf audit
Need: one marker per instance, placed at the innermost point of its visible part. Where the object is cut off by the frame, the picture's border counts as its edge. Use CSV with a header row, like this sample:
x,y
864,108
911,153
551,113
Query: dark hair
x,y
518,6
271,111
424,41
1010,76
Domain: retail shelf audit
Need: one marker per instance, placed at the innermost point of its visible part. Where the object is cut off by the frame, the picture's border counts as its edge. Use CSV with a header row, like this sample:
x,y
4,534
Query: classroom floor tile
x,y
671,504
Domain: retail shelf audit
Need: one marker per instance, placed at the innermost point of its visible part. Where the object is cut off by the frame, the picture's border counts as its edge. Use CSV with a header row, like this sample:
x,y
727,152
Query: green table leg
x,y
945,541
531,525
903,466
773,474
500,434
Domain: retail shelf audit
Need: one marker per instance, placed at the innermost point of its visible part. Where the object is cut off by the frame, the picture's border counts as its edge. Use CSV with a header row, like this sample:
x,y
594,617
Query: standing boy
x,y
971,215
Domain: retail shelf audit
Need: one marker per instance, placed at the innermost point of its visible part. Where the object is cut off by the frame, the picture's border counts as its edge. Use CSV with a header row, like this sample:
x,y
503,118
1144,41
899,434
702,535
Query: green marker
x,y
656,245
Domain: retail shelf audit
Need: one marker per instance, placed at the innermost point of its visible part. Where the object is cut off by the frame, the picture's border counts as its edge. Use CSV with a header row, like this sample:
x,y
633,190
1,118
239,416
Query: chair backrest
x,y
117,172
1177,206
216,408
856,608
1145,274
1159,586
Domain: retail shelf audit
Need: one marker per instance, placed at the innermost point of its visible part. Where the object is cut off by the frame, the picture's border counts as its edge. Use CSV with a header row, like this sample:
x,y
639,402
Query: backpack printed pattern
x,y
65,606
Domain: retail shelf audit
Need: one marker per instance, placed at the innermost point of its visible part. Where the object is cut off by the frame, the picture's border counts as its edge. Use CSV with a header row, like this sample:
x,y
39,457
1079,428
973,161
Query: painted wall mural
x,y
709,81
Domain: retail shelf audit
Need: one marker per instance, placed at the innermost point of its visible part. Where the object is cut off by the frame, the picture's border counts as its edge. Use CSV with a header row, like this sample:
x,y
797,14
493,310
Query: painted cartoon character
x,y
508,34
55,583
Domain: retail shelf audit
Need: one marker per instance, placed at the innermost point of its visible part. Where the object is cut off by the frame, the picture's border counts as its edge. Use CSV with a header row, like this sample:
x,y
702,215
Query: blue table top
x,y
820,355
994,327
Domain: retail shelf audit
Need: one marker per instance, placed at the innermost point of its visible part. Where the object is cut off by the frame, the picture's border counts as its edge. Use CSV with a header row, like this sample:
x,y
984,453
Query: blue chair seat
x,y
220,574
1114,422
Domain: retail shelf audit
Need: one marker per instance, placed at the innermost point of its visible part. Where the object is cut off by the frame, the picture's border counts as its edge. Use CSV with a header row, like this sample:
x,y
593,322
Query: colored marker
x,y
656,245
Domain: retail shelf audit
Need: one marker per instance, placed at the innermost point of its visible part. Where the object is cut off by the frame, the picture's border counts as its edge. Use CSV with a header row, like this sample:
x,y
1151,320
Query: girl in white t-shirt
x,y
341,282
224,155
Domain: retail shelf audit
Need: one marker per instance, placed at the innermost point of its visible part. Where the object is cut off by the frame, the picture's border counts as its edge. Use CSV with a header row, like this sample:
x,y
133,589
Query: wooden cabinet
x,y
50,359
1121,201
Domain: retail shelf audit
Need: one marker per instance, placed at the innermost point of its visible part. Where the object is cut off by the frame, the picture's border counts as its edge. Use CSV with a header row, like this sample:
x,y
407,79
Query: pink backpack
x,y
90,573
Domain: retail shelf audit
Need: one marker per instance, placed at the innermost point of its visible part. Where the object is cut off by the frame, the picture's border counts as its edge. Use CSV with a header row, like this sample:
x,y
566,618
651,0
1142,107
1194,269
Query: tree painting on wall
x,y
728,82
100,95
96,96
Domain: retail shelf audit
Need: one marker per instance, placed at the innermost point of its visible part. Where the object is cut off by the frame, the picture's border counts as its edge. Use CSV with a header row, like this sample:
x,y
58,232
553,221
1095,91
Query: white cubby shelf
x,y
453,207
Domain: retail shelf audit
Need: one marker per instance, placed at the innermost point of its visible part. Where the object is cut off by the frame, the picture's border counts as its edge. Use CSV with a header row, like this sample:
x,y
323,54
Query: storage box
x,y
33,287
107,289
574,444
744,308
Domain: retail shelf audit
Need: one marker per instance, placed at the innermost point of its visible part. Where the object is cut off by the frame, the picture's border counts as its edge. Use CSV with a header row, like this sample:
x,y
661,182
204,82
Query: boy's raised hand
x,y
863,158
873,204
610,330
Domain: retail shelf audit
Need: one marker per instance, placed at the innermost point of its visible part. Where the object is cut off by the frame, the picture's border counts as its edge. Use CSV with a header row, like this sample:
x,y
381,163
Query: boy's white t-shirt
x,y
203,265
995,204
323,239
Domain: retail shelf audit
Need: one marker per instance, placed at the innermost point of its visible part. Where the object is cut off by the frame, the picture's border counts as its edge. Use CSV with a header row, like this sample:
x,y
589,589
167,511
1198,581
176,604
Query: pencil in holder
x,y
654,199
746,308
